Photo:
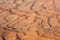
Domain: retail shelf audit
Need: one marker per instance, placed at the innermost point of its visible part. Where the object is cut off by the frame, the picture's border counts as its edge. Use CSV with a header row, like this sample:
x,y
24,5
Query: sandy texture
x,y
29,19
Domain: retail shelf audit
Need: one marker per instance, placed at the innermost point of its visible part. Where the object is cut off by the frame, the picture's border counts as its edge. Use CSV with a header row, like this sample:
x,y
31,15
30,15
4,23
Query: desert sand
x,y
29,19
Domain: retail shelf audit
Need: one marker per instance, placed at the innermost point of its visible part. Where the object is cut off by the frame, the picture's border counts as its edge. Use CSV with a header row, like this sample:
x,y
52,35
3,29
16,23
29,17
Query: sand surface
x,y
29,19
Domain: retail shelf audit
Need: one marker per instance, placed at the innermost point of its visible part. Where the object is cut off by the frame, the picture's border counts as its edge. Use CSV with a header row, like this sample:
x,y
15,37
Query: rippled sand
x,y
29,19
